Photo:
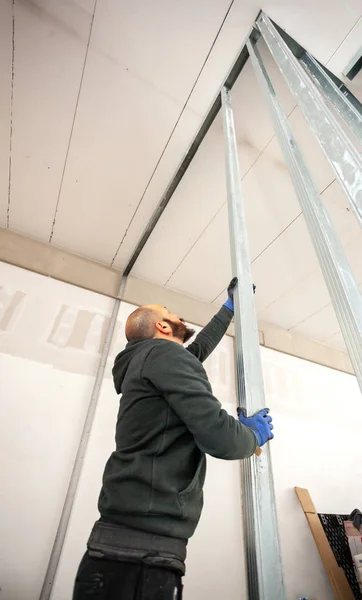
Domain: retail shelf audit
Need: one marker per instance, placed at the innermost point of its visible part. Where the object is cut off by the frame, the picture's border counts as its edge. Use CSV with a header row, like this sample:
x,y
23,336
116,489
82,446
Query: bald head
x,y
141,324
155,321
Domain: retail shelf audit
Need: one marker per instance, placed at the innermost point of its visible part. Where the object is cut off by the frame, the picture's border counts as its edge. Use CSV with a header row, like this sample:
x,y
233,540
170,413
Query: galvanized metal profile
x,y
342,286
189,156
79,459
344,158
347,111
264,567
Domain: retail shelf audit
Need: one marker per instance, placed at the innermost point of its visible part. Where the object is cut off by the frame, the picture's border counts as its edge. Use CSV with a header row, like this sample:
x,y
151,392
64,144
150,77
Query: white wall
x,y
49,350
47,368
50,338
317,445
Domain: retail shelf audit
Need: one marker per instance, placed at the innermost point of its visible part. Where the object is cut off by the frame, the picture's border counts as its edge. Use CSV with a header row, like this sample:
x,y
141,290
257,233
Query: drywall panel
x,y
202,250
185,32
49,354
253,124
343,219
306,308
117,140
203,188
245,96
220,525
348,50
5,103
320,27
207,267
337,341
50,46
306,297
290,258
48,260
309,295
70,268
313,445
182,136
323,323
270,201
227,47
270,207
194,204
313,156
50,339
120,136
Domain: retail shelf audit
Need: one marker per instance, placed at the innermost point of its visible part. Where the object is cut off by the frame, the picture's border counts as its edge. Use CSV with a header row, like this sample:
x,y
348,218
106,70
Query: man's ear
x,y
163,327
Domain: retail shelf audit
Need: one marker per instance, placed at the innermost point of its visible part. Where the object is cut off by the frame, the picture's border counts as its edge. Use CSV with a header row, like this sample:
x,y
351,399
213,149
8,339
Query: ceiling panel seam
x,y
313,315
344,39
285,229
11,111
277,237
216,297
172,132
310,315
195,242
221,207
214,216
73,121
300,214
320,309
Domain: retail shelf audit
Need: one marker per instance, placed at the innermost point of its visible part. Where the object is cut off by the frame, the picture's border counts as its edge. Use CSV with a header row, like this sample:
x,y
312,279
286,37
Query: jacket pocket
x,y
191,499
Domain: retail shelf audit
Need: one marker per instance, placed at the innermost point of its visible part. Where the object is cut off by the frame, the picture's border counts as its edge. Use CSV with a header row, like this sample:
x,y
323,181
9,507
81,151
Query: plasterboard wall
x,y
316,445
50,340
49,343
48,357
51,261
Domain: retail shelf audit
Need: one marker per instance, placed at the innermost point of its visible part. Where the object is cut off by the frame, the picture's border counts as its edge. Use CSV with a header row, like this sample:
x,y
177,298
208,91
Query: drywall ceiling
x,y
195,253
99,101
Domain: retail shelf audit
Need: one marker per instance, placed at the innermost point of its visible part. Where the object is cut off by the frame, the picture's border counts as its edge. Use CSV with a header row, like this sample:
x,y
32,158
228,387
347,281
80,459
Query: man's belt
x,y
110,540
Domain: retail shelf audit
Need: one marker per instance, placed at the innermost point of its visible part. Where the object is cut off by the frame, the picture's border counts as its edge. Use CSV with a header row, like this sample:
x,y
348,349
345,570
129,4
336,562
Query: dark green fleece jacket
x,y
168,419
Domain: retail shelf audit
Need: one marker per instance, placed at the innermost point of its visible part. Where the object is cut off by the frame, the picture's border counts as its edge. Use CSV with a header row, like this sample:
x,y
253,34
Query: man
x,y
151,499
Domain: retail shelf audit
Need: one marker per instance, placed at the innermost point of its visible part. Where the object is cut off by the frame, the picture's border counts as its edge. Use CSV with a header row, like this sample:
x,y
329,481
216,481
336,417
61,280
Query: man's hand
x,y
230,301
260,424
232,286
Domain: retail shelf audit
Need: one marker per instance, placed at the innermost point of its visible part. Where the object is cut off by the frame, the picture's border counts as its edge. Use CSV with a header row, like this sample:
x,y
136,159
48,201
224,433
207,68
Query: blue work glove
x,y
260,424
230,301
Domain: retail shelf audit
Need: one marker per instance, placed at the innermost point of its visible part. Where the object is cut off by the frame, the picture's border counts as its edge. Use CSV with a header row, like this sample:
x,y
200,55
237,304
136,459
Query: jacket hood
x,y
131,352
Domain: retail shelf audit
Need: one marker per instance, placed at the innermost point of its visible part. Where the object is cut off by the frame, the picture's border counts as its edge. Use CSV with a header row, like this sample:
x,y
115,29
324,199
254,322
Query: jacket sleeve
x,y
209,337
182,381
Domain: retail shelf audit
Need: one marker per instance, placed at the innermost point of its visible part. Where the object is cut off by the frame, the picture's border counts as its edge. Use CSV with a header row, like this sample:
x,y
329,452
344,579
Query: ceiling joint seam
x,y
278,236
220,208
327,186
310,316
216,297
73,122
195,242
344,39
172,132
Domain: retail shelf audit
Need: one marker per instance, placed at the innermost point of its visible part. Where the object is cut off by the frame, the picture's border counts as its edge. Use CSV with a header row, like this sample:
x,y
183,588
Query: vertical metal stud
x,y
264,565
342,286
343,157
347,111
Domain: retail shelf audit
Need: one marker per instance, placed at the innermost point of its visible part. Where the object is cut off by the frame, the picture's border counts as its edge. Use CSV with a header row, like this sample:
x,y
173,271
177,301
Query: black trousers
x,y
105,579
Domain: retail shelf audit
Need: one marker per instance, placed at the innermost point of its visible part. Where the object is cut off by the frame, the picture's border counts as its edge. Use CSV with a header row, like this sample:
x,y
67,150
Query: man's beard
x,y
181,331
